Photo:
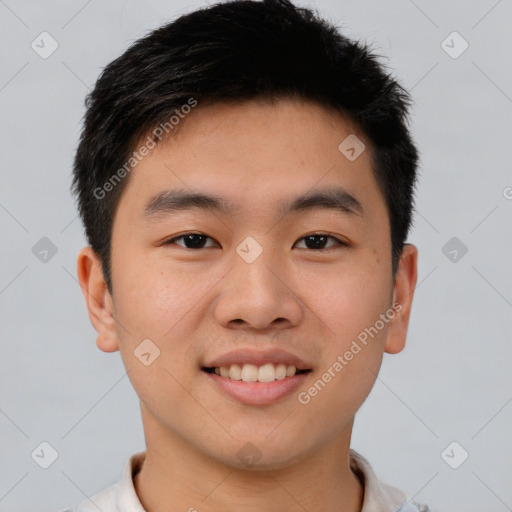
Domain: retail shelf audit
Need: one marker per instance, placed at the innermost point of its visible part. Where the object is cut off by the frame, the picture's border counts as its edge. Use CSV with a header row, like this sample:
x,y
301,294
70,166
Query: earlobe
x,y
98,300
405,283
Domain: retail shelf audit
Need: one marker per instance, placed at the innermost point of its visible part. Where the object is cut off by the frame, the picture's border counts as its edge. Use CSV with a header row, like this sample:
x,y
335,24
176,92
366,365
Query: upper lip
x,y
258,358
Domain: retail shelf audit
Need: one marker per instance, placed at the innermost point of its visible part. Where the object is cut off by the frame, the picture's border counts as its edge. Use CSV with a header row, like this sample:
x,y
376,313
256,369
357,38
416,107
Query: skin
x,y
197,304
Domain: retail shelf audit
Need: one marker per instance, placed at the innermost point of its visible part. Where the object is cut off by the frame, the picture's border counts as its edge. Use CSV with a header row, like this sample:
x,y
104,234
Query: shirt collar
x,y
378,497
128,499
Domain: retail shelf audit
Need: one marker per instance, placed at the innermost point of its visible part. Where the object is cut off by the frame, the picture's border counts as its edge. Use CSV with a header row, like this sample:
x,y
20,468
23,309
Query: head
x,y
299,138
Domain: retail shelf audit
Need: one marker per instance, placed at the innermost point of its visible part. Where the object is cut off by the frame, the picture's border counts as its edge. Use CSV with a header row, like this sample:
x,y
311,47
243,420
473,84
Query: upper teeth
x,y
252,373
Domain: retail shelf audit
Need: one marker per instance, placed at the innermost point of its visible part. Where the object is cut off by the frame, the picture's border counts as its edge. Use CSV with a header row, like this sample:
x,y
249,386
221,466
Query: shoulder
x,y
119,496
379,496
105,500
412,506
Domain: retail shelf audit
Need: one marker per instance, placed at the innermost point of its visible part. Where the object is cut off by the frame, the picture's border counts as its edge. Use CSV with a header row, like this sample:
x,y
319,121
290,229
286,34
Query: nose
x,y
259,295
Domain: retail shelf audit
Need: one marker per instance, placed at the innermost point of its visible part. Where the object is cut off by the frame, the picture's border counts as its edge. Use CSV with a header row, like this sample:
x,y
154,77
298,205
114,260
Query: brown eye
x,y
190,240
318,241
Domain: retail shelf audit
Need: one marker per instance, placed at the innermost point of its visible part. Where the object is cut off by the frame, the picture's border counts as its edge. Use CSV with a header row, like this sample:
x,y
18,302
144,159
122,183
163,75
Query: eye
x,y
191,240
317,241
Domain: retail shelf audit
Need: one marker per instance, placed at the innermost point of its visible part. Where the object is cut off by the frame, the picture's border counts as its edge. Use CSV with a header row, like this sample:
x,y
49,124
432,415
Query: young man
x,y
246,177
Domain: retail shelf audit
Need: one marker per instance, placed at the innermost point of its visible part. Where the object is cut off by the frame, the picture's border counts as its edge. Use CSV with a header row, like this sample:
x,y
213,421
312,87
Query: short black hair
x,y
231,52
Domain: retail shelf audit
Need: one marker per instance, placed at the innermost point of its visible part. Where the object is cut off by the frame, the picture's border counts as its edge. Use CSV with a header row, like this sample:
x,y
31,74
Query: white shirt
x,y
121,496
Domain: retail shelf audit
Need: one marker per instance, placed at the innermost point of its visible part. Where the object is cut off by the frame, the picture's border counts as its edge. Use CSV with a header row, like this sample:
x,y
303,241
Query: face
x,y
265,272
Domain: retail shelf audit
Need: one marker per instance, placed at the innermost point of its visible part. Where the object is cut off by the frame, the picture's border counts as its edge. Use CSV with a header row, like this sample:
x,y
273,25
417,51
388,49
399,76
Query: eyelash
x,y
339,243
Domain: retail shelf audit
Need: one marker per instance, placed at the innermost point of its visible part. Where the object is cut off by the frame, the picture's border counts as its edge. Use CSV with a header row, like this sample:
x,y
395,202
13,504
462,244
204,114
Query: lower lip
x,y
257,393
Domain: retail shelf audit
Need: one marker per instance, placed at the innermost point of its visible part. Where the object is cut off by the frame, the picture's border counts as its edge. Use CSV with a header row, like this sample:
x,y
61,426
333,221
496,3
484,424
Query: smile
x,y
248,389
252,373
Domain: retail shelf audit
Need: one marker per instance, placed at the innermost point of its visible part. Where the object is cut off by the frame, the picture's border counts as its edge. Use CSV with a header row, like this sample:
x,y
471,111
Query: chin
x,y
260,455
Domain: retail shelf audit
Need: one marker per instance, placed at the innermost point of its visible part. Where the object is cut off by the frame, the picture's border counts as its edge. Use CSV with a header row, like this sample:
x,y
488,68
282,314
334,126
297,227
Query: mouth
x,y
256,385
268,372
256,377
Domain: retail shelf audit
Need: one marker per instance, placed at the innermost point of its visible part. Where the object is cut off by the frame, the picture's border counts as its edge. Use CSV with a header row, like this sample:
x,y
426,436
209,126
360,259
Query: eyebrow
x,y
331,198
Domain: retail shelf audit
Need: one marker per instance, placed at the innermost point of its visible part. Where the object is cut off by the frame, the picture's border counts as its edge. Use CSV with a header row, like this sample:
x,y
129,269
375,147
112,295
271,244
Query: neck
x,y
177,476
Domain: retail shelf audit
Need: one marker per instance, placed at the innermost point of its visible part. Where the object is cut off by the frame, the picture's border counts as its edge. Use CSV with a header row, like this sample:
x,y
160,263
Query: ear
x,y
405,283
98,299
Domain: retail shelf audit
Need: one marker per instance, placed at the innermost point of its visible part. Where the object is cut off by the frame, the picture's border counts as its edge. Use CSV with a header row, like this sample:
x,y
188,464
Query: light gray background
x,y
452,382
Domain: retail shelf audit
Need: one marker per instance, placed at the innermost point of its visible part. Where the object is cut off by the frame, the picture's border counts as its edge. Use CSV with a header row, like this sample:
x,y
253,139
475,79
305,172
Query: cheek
x,y
350,302
156,308
153,298
351,306
334,397
161,306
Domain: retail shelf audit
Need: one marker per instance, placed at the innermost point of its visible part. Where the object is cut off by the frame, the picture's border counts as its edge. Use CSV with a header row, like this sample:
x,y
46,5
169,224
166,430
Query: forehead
x,y
254,156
